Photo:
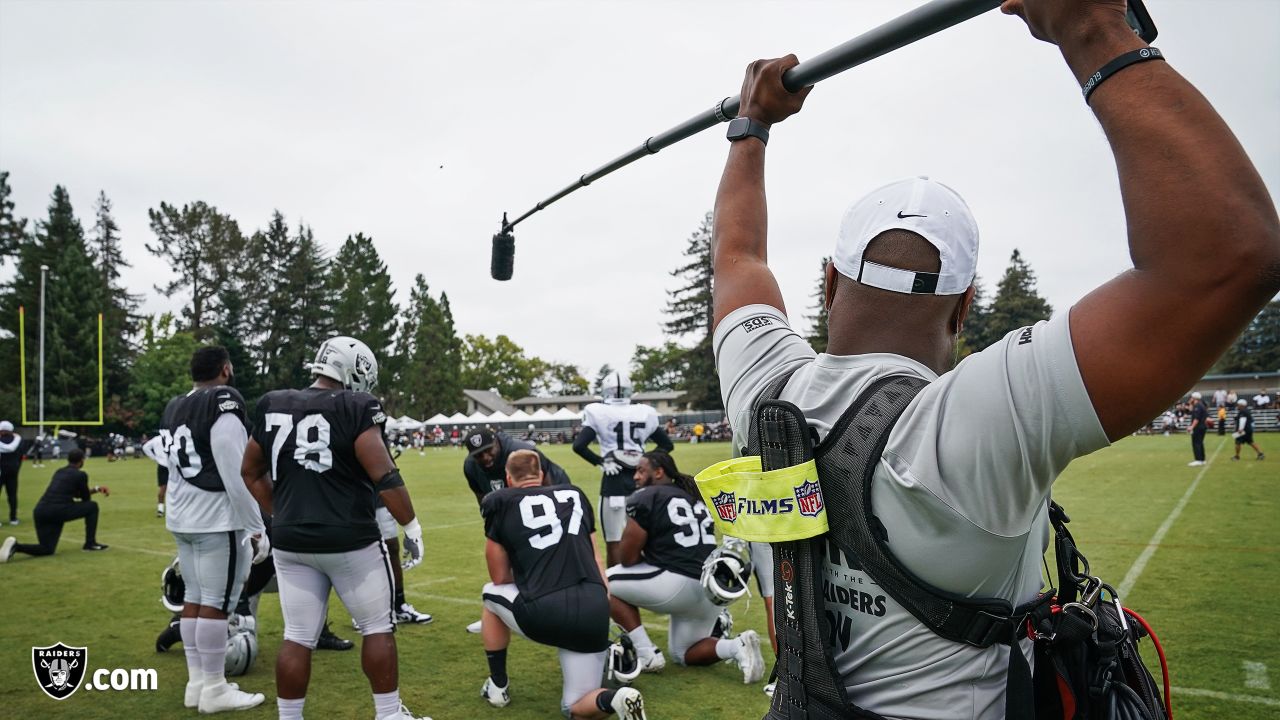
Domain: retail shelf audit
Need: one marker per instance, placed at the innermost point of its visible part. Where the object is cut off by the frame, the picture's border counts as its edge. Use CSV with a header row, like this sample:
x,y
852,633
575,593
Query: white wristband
x,y
412,526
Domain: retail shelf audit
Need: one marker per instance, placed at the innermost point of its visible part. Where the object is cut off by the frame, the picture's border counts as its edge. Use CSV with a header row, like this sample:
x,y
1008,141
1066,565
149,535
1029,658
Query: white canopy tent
x,y
566,414
404,423
457,419
437,419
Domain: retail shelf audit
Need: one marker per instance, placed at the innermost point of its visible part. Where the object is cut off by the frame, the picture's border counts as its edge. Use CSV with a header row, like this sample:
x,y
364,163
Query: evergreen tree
x,y
974,334
292,304
204,247
12,228
690,313
363,299
1258,349
119,321
57,243
428,378
73,301
13,239
1016,303
818,332
234,331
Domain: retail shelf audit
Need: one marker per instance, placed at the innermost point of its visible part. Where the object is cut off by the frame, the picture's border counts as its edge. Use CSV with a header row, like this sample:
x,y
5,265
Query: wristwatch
x,y
744,127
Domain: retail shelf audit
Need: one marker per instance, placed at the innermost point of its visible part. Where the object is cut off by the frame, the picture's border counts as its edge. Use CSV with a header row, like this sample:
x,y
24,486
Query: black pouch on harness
x,y
1086,647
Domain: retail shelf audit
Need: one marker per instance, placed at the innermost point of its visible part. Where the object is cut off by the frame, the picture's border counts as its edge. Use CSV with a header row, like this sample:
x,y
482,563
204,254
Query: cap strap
x,y
897,280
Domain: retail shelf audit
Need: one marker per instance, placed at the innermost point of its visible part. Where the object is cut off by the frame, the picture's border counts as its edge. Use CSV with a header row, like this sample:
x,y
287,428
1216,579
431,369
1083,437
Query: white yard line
x,y
1235,697
1255,676
432,581
450,525
1135,570
169,554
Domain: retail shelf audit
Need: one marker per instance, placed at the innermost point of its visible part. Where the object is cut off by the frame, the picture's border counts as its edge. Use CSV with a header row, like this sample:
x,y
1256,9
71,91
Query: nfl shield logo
x,y
809,498
726,507
59,669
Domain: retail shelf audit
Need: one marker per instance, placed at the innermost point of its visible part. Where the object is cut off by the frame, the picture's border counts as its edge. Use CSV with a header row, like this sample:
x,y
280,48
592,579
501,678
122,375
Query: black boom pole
x,y
915,25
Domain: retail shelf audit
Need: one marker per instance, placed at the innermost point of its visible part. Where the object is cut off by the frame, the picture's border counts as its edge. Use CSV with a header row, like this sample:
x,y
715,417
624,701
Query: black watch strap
x,y
741,128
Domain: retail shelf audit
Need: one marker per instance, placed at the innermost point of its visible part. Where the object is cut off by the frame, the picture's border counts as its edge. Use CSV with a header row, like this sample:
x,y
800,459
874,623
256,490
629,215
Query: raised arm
x,y
739,231
1200,222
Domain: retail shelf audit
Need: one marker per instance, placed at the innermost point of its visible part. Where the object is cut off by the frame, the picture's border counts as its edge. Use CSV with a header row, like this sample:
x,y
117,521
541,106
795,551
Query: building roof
x,y
556,400
489,400
586,399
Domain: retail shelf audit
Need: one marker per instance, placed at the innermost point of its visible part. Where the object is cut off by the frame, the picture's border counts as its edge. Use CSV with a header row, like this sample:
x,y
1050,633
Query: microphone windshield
x,y
503,259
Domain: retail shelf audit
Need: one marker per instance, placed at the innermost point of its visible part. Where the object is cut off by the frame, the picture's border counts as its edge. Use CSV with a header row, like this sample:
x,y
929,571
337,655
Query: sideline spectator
x,y
59,506
1220,398
1244,430
1262,400
1199,421
1222,420
10,464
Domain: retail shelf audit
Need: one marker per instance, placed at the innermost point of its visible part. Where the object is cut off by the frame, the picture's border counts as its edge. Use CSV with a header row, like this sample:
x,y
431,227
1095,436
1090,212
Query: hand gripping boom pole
x,y
904,30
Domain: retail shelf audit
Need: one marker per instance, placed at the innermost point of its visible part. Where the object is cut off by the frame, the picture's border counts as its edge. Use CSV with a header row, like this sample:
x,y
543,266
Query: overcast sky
x,y
420,123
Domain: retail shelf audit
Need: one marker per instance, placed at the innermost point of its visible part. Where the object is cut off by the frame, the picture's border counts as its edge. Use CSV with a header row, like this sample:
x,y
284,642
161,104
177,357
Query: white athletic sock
x,y
160,507
290,709
187,628
640,638
211,641
385,704
727,649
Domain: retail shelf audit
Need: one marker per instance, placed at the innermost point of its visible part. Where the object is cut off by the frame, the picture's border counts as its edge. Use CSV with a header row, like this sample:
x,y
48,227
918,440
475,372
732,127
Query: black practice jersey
x,y
483,481
547,534
185,428
681,531
323,499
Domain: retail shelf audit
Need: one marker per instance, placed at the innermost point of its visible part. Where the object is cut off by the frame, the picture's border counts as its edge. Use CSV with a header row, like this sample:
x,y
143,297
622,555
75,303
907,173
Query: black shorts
x,y
575,618
1245,439
162,476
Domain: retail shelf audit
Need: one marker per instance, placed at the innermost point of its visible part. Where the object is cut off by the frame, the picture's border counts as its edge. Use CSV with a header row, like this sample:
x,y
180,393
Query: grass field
x,y
1209,590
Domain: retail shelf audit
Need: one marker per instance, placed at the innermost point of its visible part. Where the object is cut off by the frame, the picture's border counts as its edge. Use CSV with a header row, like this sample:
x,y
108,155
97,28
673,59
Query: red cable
x,y
1164,666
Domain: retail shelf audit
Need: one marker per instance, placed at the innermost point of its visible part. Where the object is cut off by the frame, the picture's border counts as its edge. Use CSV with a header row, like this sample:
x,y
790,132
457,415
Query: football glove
x,y
412,544
261,547
610,466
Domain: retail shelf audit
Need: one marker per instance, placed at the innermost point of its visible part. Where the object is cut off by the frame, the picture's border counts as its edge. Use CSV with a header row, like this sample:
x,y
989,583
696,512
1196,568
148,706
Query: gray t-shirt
x,y
962,489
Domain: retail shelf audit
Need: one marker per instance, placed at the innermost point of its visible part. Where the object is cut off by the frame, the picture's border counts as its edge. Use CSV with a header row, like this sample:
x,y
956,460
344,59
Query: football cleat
x,y
329,641
628,704
654,663
748,657
6,549
170,636
474,628
223,697
770,688
406,614
404,714
496,696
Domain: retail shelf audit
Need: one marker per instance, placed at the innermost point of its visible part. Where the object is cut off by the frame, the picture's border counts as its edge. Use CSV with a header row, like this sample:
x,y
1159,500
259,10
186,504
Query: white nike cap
x,y
922,206
6,426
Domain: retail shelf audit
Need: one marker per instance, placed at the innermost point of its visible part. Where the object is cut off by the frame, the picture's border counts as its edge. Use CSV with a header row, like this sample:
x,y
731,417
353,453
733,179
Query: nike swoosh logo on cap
x,y
903,217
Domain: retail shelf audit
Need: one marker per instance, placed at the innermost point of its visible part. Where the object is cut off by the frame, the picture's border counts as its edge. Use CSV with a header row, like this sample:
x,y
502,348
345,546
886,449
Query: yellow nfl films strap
x,y
773,506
